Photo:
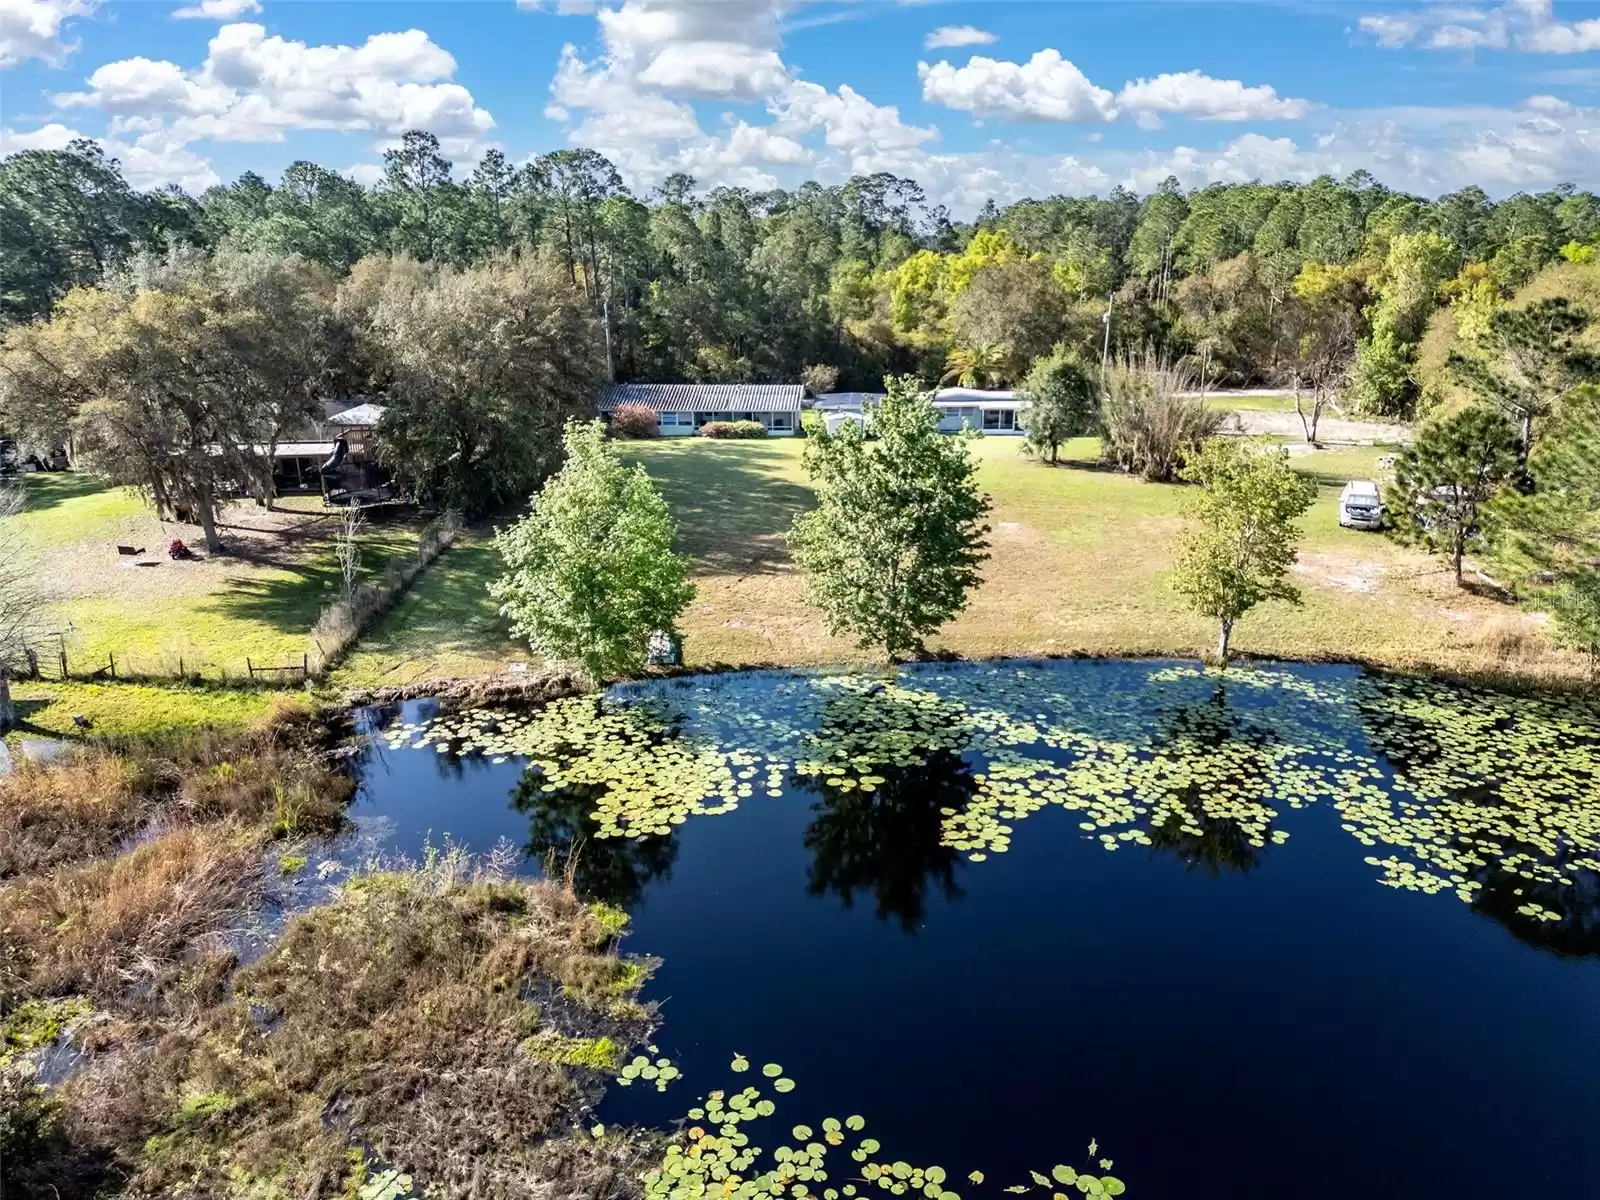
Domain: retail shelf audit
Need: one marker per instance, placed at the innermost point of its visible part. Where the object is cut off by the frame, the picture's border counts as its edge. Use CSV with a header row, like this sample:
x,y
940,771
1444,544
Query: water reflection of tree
x,y
1211,743
1467,745
1576,931
615,870
887,841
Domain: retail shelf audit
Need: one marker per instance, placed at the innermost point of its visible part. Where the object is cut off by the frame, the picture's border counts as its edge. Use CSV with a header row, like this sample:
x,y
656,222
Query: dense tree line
x,y
1329,285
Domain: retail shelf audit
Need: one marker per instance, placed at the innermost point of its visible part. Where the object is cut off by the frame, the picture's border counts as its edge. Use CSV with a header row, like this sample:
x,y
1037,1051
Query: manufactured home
x,y
971,408
682,408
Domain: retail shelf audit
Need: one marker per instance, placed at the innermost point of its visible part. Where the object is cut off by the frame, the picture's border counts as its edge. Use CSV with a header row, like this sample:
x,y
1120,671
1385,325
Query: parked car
x,y
1360,505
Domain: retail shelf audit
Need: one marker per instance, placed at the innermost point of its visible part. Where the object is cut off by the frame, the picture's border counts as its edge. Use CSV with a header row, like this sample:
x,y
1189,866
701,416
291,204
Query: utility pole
x,y
1105,345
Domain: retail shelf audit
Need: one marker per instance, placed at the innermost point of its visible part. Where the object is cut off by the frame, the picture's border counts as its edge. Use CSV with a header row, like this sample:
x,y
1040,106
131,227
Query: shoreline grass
x,y
442,1015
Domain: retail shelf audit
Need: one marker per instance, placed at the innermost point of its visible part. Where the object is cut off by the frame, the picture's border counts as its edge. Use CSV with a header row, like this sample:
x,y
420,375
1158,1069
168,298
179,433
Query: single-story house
x,y
296,466
682,408
972,408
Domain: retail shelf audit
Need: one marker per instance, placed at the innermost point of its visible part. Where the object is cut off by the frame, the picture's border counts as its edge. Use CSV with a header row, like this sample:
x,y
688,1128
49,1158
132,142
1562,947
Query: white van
x,y
1360,506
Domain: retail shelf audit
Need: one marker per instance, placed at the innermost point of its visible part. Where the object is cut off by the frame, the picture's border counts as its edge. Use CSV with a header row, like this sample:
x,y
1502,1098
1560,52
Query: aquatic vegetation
x,y
714,1154
1472,792
37,1024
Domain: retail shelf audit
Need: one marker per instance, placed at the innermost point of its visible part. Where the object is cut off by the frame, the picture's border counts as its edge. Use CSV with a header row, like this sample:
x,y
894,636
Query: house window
x,y
999,418
703,418
781,420
677,420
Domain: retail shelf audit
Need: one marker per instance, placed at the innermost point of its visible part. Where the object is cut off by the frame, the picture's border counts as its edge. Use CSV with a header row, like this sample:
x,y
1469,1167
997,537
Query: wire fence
x,y
55,659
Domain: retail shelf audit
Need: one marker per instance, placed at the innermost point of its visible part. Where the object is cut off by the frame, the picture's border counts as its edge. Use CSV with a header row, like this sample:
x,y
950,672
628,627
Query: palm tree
x,y
976,366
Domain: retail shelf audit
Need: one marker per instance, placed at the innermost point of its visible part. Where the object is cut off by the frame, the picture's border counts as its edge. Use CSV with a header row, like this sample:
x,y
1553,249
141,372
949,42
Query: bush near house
x,y
733,429
635,421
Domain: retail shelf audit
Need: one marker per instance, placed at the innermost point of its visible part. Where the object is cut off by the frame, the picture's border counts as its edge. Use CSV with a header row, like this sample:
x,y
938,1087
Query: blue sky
x,y
975,99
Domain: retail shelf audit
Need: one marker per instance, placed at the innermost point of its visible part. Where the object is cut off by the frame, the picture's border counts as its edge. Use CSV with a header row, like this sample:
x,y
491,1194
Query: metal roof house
x,y
971,408
683,408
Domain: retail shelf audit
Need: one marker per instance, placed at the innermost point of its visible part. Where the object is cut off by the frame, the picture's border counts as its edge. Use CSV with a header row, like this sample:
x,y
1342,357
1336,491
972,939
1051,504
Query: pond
x,y
1291,931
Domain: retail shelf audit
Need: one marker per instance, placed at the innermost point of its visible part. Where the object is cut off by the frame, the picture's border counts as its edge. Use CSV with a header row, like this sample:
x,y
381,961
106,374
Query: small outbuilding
x,y
682,408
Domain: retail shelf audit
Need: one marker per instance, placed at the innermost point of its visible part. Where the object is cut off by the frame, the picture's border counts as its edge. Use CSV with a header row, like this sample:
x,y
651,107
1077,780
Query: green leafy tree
x,y
173,378
590,571
1241,531
1551,538
897,538
421,196
1062,404
1323,323
65,217
481,369
1443,481
1018,305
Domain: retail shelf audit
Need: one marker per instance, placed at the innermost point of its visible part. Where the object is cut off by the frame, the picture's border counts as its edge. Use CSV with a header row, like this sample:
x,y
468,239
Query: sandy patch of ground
x,y
1330,429
1342,572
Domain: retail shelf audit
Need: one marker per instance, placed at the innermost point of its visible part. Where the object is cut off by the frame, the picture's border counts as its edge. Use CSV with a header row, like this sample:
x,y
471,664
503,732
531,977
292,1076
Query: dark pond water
x,y
1303,932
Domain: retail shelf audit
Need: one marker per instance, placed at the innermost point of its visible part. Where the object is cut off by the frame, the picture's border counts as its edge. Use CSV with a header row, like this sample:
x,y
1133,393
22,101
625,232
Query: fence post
x,y
249,667
305,666
63,653
180,666
113,659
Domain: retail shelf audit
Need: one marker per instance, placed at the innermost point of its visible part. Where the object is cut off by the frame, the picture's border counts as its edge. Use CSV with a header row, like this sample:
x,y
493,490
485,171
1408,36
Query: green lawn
x,y
133,708
256,604
446,625
1079,563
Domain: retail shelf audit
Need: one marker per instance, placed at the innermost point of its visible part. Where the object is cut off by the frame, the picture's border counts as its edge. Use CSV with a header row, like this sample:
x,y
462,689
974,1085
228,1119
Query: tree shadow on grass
x,y
287,603
47,489
731,502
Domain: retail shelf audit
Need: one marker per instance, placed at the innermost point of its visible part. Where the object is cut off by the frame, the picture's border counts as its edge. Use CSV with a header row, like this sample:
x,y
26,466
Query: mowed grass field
x,y
257,602
1080,563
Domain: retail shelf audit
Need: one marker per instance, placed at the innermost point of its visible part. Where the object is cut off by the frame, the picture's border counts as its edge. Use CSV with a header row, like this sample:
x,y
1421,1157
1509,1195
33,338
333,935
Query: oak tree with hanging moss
x,y
1240,531
590,571
895,543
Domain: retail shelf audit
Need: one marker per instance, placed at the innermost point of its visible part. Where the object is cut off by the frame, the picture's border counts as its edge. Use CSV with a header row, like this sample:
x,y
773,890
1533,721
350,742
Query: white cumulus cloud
x,y
53,136
216,10
1192,94
1530,25
1045,88
258,88
948,36
33,29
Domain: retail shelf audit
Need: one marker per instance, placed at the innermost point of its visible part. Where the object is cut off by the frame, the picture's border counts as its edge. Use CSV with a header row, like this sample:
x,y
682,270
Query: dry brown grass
x,y
54,814
122,930
414,1019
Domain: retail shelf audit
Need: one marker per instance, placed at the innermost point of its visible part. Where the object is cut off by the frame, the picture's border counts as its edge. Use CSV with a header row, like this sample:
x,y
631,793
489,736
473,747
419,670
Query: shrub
x,y
1149,423
1061,403
635,421
733,429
